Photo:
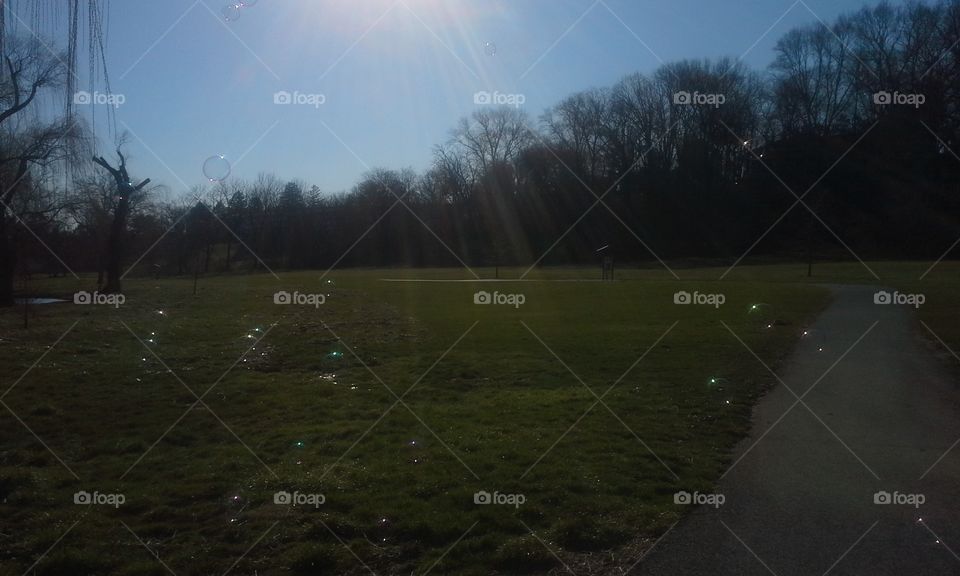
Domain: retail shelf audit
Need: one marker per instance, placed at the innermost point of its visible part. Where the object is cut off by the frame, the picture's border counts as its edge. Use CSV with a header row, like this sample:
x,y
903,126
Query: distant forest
x,y
847,142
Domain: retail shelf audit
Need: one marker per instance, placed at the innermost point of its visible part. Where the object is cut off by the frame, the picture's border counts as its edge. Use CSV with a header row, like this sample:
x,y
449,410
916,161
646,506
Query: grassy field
x,y
397,401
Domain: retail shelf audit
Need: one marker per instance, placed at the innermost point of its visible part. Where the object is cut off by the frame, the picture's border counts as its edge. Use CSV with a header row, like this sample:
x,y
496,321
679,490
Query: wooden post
x,y
196,273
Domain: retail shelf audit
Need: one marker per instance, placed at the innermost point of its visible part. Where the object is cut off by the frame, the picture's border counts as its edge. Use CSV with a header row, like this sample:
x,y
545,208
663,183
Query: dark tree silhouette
x,y
125,190
29,69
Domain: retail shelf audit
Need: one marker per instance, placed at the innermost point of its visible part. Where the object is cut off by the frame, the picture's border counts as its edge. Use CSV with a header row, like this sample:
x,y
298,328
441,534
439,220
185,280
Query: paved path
x,y
800,493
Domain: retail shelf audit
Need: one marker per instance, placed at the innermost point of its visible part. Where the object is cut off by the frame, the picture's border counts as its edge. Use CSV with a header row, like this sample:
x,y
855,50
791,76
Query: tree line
x,y
846,143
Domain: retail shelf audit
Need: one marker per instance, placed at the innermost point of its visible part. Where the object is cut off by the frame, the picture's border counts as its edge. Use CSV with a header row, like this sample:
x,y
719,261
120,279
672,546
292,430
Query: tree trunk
x,y
115,246
99,244
8,263
114,249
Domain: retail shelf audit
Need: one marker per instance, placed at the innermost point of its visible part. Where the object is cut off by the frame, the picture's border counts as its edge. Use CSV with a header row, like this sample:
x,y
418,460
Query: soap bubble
x,y
231,12
816,337
216,168
490,48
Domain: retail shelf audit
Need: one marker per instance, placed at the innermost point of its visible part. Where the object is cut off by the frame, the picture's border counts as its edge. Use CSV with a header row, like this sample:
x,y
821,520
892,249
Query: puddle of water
x,y
38,301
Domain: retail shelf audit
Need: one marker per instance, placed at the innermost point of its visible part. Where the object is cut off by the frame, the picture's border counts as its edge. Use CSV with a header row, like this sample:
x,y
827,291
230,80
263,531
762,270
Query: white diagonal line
x,y
38,239
940,59
201,397
800,399
40,440
440,40
359,439
940,259
652,546
570,229
840,159
842,44
56,55
252,546
447,551
349,549
558,40
939,539
840,440
545,545
954,245
255,143
801,197
404,395
760,239
599,399
238,239
160,39
19,220
24,424
749,549
199,400
359,39
40,359
599,200
942,456
954,354
852,546
632,33
434,234
240,40
361,237
399,400
42,556
154,245
605,205
939,139
764,35
602,396
400,201
186,186
144,544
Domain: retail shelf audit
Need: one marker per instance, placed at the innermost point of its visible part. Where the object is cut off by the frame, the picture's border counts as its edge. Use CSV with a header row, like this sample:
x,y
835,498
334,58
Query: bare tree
x,y
579,124
814,71
44,17
490,138
26,144
639,125
125,190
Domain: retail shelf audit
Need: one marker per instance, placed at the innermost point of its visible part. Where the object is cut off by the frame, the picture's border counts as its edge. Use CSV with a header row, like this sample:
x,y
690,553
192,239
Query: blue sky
x,y
395,76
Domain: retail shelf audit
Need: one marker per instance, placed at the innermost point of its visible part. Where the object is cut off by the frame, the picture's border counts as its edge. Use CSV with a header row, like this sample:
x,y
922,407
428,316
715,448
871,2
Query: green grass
x,y
494,413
